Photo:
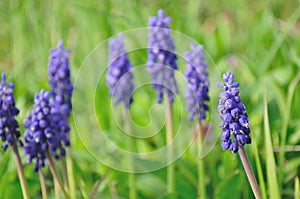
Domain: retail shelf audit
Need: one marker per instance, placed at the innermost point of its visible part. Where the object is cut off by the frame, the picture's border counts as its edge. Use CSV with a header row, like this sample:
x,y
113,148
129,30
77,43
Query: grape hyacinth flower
x,y
197,89
59,78
61,93
161,58
45,130
9,127
196,95
235,123
119,77
120,80
162,62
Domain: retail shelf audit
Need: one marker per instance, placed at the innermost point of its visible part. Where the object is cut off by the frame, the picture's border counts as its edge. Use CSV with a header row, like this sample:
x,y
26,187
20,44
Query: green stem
x,y
55,174
92,195
249,173
43,183
132,185
20,171
113,190
169,138
297,193
131,147
56,189
64,172
201,169
70,171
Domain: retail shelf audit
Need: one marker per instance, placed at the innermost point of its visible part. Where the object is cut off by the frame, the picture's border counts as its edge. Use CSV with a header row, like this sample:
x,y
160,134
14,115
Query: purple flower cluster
x,y
9,127
45,130
161,60
197,89
47,126
59,78
119,77
233,114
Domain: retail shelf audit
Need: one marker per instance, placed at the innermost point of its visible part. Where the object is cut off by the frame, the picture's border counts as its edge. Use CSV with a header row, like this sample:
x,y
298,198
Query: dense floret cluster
x,y
119,77
46,131
235,123
198,85
162,61
9,127
60,78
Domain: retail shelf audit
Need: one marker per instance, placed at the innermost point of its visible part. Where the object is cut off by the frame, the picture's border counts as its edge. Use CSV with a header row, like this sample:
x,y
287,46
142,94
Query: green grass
x,y
257,40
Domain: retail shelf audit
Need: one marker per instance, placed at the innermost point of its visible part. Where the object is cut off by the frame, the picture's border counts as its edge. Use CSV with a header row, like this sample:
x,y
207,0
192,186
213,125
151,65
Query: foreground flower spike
x,y
197,89
9,127
119,77
59,78
235,123
161,60
45,131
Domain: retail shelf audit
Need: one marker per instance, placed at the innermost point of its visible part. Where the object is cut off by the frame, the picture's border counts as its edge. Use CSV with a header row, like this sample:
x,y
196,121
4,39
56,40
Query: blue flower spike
x,y
45,130
60,78
47,126
9,127
235,122
119,76
161,58
197,89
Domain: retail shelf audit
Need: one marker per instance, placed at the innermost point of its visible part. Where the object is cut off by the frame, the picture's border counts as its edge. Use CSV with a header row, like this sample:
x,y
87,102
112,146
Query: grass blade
x,y
270,161
297,191
259,172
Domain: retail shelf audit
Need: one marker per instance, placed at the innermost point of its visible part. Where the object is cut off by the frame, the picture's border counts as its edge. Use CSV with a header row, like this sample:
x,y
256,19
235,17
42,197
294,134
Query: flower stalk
x,y
64,172
131,147
249,173
20,171
70,174
169,138
55,175
43,184
99,183
200,164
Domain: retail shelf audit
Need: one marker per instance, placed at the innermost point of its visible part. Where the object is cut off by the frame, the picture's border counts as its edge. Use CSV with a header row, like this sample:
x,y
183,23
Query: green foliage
x,y
257,40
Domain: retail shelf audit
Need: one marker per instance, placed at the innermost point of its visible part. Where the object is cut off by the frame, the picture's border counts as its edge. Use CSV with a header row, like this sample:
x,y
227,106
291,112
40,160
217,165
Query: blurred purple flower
x,y
233,114
47,126
60,78
161,60
119,77
46,129
9,127
197,89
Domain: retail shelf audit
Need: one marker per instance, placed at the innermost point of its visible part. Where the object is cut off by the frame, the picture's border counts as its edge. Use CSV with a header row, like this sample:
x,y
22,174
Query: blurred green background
x,y
257,40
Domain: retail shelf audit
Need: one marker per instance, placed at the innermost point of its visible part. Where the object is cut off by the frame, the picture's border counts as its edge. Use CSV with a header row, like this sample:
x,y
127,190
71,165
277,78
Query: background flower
x,y
197,89
119,77
161,58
